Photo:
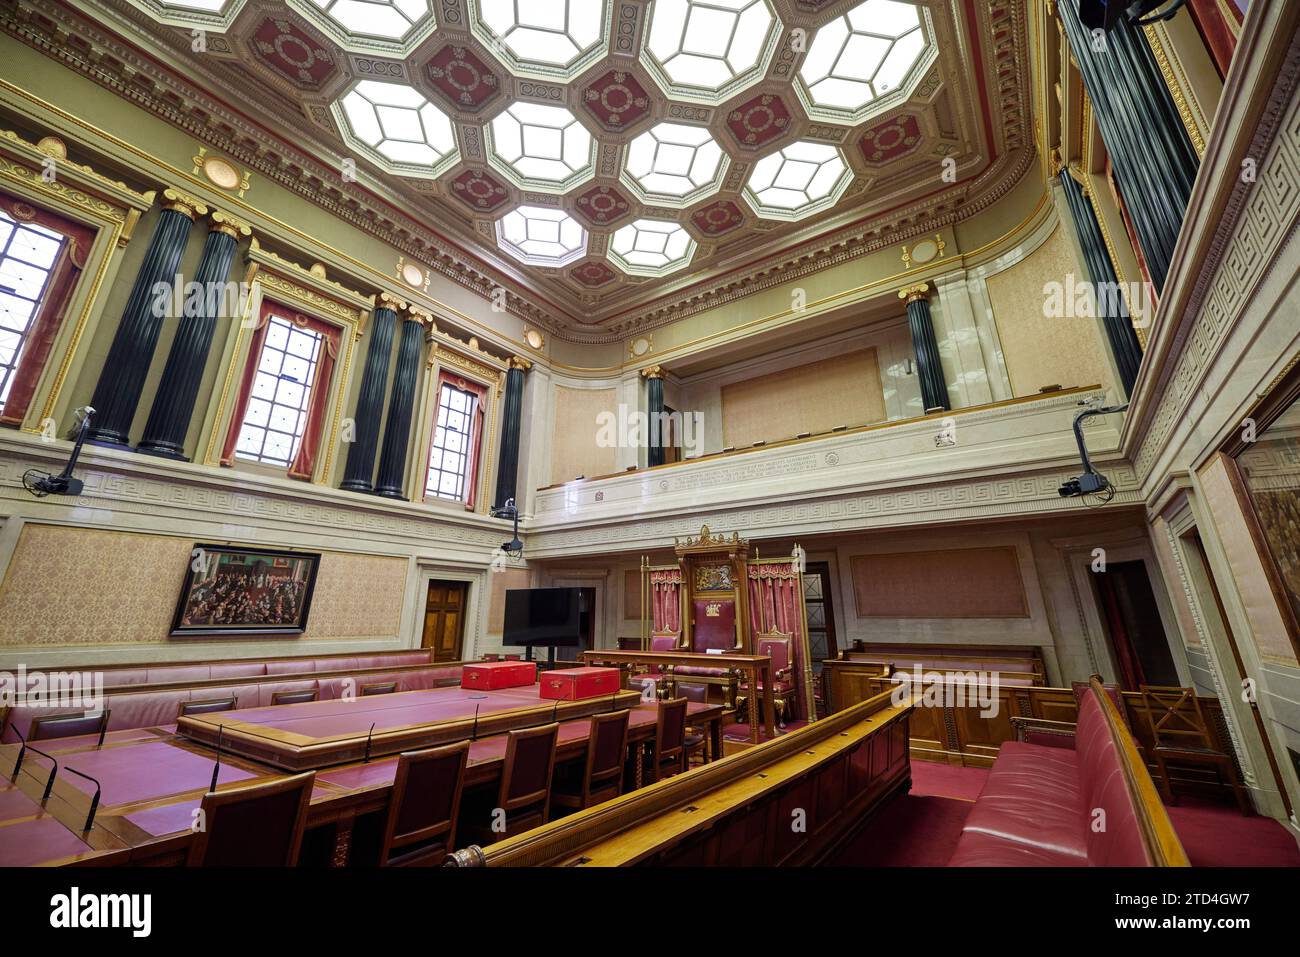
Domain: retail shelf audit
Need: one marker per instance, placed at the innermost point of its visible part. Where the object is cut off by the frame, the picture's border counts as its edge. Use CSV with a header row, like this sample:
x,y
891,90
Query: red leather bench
x,y
125,676
1040,802
146,708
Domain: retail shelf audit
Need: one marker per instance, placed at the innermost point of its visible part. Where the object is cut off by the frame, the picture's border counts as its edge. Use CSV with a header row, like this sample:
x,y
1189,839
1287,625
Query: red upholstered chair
x,y
526,775
256,826
1182,735
602,775
778,647
379,687
655,673
207,706
294,697
421,826
67,725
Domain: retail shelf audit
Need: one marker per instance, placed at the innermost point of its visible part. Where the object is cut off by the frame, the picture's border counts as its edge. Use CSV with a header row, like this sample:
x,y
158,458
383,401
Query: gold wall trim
x,y
1182,102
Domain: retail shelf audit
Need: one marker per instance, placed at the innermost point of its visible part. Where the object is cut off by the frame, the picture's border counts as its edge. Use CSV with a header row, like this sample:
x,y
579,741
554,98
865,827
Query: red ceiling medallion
x,y
718,218
592,274
891,139
601,205
616,100
292,52
462,78
478,190
759,121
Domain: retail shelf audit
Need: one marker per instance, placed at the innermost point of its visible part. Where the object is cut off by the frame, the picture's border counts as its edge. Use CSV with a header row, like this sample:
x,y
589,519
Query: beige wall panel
x,y
574,450
499,583
815,397
951,583
83,586
1041,350
632,594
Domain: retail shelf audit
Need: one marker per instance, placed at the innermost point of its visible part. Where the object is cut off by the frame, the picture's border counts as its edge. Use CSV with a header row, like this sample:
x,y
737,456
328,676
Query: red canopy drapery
x,y
44,326
666,600
776,604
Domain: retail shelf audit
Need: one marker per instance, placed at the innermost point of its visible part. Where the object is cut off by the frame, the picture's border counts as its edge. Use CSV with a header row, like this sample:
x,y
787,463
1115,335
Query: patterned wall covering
x,y
949,583
574,450
1071,355
814,397
80,586
498,583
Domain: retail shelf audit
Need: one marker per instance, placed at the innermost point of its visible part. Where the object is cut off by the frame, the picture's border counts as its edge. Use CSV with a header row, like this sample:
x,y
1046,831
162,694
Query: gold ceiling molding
x,y
1181,100
311,291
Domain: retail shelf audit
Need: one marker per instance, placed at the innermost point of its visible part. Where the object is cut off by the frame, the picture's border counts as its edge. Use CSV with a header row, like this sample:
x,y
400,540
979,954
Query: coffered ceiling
x,y
616,163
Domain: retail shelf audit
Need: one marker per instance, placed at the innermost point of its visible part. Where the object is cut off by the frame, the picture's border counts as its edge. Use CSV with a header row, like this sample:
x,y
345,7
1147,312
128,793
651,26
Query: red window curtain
x,y
46,323
304,462
475,452
776,604
666,600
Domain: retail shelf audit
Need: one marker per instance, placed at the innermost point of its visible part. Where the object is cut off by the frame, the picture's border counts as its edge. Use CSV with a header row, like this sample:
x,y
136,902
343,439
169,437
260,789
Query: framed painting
x,y
245,591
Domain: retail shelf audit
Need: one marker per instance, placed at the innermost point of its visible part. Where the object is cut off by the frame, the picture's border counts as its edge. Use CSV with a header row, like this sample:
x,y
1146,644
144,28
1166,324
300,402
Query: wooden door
x,y
821,613
444,619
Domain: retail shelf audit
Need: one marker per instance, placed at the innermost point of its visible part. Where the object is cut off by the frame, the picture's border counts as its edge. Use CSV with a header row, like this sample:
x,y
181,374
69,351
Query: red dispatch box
x,y
493,675
575,684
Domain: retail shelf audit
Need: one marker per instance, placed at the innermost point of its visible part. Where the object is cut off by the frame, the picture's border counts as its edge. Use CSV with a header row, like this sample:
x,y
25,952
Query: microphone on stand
x,y
216,768
473,734
369,734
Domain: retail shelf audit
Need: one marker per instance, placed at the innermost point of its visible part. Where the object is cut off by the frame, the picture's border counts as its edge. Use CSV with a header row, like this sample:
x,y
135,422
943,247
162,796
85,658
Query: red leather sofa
x,y
1040,803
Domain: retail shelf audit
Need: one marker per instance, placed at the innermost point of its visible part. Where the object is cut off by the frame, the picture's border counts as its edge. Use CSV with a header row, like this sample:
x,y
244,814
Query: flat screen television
x,y
548,617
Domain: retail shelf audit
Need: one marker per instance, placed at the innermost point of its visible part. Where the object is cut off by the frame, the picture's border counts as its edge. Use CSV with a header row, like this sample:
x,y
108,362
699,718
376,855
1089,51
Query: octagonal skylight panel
x,y
651,247
864,55
546,36
540,146
801,179
191,13
385,19
710,48
674,164
398,127
541,236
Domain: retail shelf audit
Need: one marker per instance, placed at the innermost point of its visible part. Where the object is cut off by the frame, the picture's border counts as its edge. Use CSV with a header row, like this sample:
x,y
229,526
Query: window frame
x,y
309,389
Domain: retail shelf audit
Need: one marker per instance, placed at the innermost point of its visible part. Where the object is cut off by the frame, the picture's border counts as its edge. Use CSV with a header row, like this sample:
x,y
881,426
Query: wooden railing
x,y
789,801
962,735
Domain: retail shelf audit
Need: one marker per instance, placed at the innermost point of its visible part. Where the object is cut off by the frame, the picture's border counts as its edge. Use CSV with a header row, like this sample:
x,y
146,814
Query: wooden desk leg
x,y
753,706
769,705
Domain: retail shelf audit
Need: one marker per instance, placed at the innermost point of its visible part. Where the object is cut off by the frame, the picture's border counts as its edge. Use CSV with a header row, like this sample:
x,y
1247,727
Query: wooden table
x,y
757,668
145,818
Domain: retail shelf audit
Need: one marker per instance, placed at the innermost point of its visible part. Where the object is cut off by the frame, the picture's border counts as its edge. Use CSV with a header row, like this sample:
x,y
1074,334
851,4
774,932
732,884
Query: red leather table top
x,y
38,841
141,772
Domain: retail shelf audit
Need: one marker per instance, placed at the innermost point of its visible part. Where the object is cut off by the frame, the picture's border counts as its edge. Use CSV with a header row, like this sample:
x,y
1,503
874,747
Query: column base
x,y
163,452
357,486
109,444
395,494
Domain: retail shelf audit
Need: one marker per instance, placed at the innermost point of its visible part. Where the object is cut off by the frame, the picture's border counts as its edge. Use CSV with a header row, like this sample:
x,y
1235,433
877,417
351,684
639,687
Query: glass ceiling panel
x,y
800,179
859,57
541,236
541,143
389,19
675,161
398,123
547,32
651,247
705,44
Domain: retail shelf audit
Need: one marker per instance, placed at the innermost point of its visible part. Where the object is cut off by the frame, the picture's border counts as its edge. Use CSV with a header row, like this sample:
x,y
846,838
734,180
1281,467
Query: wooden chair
x,y
256,826
421,826
68,725
779,647
671,745
697,739
526,775
207,706
294,697
379,687
602,775
1180,733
